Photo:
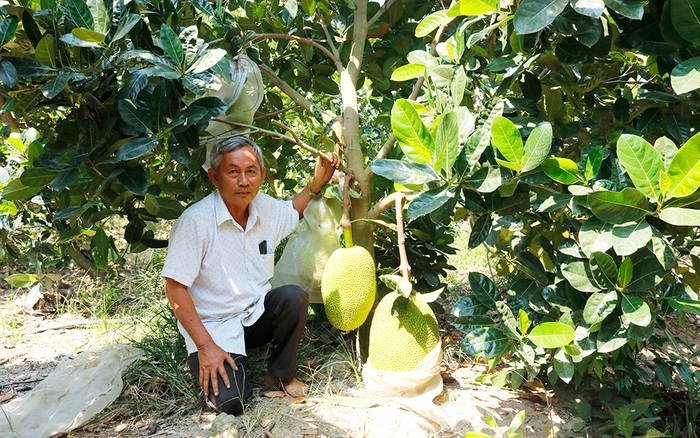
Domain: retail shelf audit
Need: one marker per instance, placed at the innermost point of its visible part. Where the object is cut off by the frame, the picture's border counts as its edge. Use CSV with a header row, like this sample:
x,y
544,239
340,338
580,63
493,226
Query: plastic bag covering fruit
x,y
309,248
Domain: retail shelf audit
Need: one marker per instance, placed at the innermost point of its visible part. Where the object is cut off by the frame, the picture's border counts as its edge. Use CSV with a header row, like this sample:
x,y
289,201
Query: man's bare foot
x,y
294,388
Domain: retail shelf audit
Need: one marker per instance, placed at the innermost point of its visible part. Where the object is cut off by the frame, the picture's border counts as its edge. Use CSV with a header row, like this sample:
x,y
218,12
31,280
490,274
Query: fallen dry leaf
x,y
275,394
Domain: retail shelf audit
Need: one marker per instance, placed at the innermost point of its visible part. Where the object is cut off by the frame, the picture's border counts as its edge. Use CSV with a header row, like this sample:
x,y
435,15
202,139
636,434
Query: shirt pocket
x,y
264,267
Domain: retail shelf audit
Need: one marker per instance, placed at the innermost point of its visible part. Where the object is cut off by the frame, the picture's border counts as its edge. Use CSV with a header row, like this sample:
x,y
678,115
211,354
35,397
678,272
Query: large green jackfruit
x,y
399,342
348,287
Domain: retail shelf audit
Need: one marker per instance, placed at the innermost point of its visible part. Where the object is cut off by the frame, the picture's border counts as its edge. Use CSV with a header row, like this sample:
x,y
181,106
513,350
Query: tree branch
x,y
320,47
380,12
300,100
384,204
329,38
401,239
277,135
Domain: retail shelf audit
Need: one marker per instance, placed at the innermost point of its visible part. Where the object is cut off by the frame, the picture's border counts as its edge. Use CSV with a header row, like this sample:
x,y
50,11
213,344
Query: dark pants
x,y
282,323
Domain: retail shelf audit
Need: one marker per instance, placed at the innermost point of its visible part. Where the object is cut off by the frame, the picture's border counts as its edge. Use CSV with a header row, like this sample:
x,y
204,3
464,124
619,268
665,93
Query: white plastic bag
x,y
308,249
414,390
71,395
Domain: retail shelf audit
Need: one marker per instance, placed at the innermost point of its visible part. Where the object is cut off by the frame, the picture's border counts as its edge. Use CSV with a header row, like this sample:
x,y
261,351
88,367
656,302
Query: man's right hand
x,y
211,363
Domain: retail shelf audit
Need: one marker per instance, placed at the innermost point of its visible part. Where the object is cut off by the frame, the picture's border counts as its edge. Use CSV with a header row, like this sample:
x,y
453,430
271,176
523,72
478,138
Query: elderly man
x,y
217,276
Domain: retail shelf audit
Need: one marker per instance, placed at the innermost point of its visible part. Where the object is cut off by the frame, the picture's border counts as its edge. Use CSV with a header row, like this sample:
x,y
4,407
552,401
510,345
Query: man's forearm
x,y
181,302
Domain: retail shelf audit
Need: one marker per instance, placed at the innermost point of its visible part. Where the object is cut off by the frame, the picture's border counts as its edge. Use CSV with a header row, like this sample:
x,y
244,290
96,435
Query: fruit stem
x,y
404,267
345,221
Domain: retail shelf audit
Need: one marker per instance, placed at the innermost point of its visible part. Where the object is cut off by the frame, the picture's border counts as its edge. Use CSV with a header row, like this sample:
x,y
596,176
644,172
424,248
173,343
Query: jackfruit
x,y
399,342
348,287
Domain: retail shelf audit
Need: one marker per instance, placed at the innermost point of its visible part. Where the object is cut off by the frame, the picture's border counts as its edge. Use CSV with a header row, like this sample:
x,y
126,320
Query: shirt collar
x,y
222,214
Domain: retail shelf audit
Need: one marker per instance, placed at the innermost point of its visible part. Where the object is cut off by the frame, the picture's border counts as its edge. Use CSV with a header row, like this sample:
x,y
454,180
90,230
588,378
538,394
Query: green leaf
x,y
635,310
37,176
629,205
589,8
684,217
207,60
21,280
484,289
430,201
685,15
595,236
45,52
79,13
134,179
8,27
563,367
471,7
537,146
15,190
413,137
101,12
8,73
611,337
599,306
88,35
480,231
485,342
169,208
127,23
561,170
551,335
402,172
136,147
594,160
628,238
135,117
642,163
100,248
408,72
580,276
397,283
171,45
523,321
473,434
604,270
509,323
534,15
685,77
55,86
204,6
488,179
506,137
647,272
633,9
667,149
65,178
446,144
684,170
625,274
430,23
685,305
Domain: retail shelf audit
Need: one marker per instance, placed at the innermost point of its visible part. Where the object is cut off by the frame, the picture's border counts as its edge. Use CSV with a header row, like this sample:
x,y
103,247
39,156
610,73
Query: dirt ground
x,y
27,358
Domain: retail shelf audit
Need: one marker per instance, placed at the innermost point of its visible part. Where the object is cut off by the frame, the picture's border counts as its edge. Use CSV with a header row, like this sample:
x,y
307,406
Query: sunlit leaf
x,y
599,306
534,15
635,310
684,170
413,137
629,205
562,170
642,163
551,335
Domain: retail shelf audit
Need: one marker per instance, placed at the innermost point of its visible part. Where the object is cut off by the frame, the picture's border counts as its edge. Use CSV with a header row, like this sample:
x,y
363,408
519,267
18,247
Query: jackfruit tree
x,y
564,131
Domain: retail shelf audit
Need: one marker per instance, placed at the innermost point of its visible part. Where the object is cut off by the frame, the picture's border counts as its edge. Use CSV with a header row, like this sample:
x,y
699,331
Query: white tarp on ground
x,y
72,394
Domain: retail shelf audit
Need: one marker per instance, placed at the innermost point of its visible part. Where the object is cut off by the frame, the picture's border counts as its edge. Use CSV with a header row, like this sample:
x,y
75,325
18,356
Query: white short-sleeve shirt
x,y
227,269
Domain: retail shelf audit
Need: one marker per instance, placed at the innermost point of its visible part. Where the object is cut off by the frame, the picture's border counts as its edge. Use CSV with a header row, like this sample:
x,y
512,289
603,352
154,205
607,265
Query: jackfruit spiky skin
x,y
398,343
348,287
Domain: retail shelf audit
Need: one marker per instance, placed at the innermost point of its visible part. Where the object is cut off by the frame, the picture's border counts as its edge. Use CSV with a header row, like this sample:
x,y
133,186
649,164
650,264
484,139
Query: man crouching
x,y
217,276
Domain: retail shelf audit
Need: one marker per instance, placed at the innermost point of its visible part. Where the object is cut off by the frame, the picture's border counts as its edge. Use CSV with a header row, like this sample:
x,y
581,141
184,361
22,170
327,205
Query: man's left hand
x,y
323,172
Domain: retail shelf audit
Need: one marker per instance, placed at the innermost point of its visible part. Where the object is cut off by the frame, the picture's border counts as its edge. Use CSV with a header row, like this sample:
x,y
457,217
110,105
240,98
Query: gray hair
x,y
231,144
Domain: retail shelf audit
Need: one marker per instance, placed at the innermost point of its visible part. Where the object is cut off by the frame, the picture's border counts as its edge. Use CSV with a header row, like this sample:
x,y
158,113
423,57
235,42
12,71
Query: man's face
x,y
238,177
